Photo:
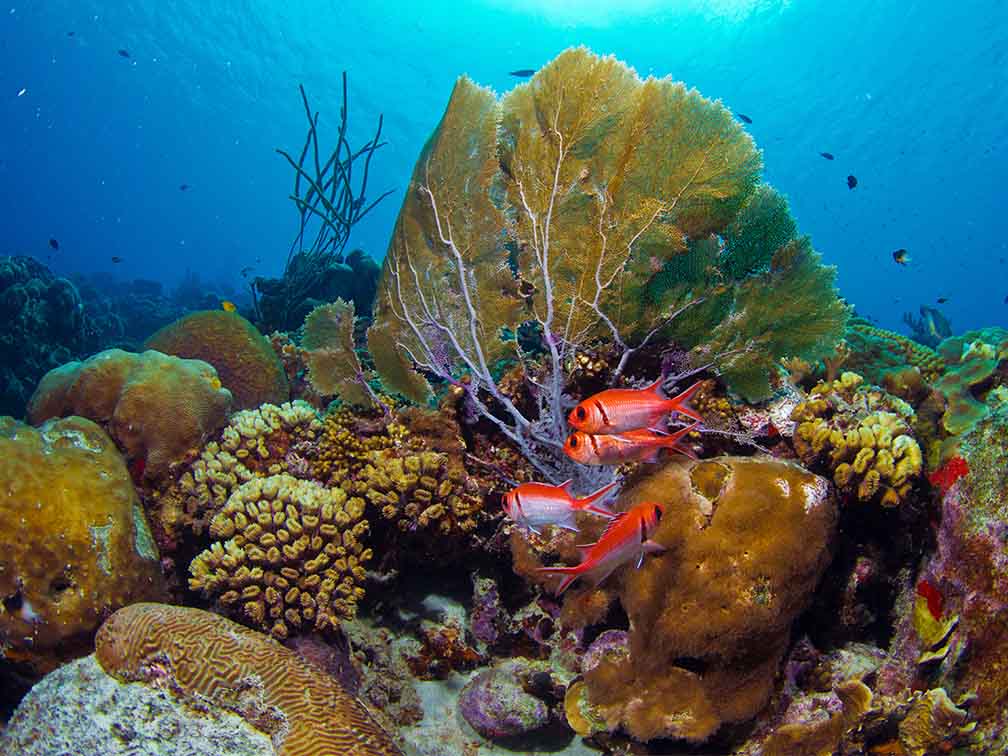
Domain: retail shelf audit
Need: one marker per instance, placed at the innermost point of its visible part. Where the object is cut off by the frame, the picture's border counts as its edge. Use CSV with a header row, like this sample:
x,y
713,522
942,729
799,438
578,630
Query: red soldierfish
x,y
536,505
642,445
627,538
618,410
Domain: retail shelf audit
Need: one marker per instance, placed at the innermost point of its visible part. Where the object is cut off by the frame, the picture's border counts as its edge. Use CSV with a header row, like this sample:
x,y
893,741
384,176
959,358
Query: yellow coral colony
x,y
292,557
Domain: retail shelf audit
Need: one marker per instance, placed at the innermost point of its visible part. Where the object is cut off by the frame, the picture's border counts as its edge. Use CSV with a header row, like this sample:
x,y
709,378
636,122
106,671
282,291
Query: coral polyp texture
x,y
587,207
862,436
76,542
158,408
873,351
255,443
206,656
243,357
976,370
710,618
289,555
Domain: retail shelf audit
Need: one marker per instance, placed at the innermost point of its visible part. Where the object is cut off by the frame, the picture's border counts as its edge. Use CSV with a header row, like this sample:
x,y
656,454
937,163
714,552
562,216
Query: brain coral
x,y
207,656
156,407
243,357
294,558
862,435
255,443
76,543
746,542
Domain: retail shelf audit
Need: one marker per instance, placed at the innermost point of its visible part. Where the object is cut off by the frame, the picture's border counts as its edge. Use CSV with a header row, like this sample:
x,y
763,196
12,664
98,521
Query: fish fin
x,y
685,451
652,455
590,503
570,575
598,577
656,388
566,486
640,560
533,529
678,403
601,511
651,547
612,524
567,523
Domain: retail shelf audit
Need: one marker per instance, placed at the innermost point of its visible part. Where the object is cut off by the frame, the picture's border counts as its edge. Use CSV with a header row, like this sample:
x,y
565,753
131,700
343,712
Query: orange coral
x,y
207,656
158,408
76,542
243,357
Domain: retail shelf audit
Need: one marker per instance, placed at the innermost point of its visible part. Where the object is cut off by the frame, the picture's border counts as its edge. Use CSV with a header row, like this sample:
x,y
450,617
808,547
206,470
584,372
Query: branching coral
x,y
205,656
243,357
289,555
550,212
158,408
850,430
256,443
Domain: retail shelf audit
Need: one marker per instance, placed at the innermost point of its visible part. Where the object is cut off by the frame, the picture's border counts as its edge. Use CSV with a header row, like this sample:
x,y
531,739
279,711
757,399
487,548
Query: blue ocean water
x,y
909,97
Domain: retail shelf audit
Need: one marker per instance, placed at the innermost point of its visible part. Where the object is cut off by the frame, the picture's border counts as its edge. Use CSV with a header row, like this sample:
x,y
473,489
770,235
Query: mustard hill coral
x,y
348,438
255,443
243,357
710,617
870,452
157,408
243,671
289,555
550,211
76,542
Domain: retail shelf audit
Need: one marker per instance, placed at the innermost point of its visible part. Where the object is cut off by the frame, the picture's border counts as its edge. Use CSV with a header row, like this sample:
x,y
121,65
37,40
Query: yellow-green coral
x,y
845,427
971,376
333,367
265,441
292,557
874,351
76,543
347,438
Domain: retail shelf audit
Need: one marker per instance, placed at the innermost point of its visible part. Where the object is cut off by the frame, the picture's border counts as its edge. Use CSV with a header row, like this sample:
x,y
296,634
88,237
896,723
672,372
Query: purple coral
x,y
496,705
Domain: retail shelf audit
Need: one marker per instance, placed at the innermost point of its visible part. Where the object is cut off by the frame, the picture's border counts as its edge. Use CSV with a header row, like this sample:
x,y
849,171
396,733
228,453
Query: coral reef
x,y
292,557
243,357
874,351
582,209
333,367
206,656
79,709
499,703
76,542
255,443
975,366
710,617
158,408
862,436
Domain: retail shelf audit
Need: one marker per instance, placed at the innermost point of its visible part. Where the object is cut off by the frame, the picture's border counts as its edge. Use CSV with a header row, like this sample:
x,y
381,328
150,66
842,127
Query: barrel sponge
x,y
156,407
206,656
289,555
710,617
76,542
243,357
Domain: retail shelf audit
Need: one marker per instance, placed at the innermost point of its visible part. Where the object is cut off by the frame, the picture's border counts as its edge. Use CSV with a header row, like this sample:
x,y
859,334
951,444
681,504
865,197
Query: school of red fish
x,y
610,428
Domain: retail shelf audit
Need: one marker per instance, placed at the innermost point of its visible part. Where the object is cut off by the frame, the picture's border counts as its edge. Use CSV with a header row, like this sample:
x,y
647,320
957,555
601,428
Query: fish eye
x,y
581,413
573,442
657,514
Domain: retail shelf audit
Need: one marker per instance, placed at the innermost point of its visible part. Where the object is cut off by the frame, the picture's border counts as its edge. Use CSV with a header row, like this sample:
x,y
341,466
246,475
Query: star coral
x,y
76,542
255,443
862,436
243,357
205,656
157,407
289,555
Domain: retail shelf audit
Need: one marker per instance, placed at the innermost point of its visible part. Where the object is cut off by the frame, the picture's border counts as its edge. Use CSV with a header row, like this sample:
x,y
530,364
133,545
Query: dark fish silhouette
x,y
522,73
116,259
183,187
123,53
851,181
827,155
246,271
744,118
942,300
901,256
70,34
54,243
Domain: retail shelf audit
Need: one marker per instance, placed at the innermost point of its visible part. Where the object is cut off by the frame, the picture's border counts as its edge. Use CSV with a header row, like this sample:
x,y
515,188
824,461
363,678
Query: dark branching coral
x,y
558,206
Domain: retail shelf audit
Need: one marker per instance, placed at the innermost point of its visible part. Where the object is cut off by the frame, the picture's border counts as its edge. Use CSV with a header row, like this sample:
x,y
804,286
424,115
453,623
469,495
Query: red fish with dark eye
x,y
536,505
619,410
641,445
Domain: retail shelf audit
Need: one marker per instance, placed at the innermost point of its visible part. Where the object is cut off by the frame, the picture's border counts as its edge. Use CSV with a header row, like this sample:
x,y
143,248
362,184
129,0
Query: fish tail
x,y
570,575
679,402
592,503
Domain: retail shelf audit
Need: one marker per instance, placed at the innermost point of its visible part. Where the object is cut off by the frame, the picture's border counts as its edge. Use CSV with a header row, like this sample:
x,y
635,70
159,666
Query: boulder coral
x,y
747,541
203,656
76,543
157,408
288,556
243,357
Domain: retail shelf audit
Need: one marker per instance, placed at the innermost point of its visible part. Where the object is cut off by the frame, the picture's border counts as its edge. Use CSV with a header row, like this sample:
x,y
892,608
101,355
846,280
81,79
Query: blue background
x,y
910,97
